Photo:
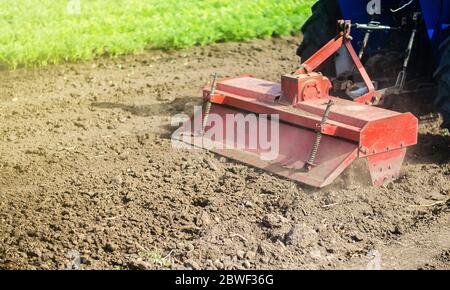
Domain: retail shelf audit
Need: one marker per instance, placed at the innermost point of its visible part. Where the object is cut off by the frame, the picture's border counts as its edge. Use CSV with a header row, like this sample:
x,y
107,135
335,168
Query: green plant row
x,y
41,32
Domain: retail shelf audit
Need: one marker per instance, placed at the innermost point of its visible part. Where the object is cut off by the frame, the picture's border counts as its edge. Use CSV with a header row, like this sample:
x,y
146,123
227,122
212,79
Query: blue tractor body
x,y
403,44
436,16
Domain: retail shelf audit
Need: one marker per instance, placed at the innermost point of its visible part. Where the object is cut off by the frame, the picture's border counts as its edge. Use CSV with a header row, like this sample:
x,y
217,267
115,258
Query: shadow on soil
x,y
179,105
433,149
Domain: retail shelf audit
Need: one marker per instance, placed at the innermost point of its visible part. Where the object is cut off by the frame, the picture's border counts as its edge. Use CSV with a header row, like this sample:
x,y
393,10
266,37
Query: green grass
x,y
40,32
155,258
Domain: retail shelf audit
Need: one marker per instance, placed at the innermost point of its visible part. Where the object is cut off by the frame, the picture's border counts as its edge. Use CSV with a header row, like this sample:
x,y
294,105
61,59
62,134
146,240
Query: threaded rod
x,y
208,105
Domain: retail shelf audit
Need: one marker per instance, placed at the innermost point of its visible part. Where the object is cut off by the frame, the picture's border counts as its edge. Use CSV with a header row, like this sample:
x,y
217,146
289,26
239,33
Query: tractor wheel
x,y
318,30
442,75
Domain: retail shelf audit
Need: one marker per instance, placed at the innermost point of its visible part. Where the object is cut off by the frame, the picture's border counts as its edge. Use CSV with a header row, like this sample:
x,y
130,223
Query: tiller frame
x,y
319,135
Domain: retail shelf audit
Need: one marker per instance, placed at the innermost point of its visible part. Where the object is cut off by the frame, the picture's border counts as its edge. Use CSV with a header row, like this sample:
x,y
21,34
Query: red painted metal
x,y
385,166
294,146
353,129
321,56
343,38
302,87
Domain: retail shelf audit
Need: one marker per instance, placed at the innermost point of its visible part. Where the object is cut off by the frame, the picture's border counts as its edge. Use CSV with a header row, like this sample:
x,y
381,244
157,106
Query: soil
x,y
88,175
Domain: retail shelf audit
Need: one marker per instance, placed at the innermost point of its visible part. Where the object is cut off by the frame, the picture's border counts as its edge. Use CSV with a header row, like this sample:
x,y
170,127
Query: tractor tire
x,y
318,30
442,75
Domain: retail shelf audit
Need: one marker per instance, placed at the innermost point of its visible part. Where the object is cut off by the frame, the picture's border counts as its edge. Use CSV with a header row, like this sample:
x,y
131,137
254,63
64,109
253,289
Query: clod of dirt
x,y
139,265
203,219
301,235
218,264
201,202
357,237
117,180
273,221
250,255
109,248
190,247
192,264
34,253
240,254
444,256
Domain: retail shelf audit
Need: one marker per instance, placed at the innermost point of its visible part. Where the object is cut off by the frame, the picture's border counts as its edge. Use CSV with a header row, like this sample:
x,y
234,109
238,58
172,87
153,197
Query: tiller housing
x,y
319,135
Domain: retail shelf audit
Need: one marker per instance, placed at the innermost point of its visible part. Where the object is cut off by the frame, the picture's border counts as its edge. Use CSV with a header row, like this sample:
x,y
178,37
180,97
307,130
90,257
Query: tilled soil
x,y
87,169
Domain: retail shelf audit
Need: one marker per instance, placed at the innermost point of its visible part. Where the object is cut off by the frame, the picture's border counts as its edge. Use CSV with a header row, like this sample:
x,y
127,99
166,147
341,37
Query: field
x,y
34,33
89,177
87,168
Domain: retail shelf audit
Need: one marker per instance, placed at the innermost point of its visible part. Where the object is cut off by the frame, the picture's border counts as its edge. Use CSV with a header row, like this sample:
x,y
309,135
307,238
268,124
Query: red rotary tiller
x,y
319,135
